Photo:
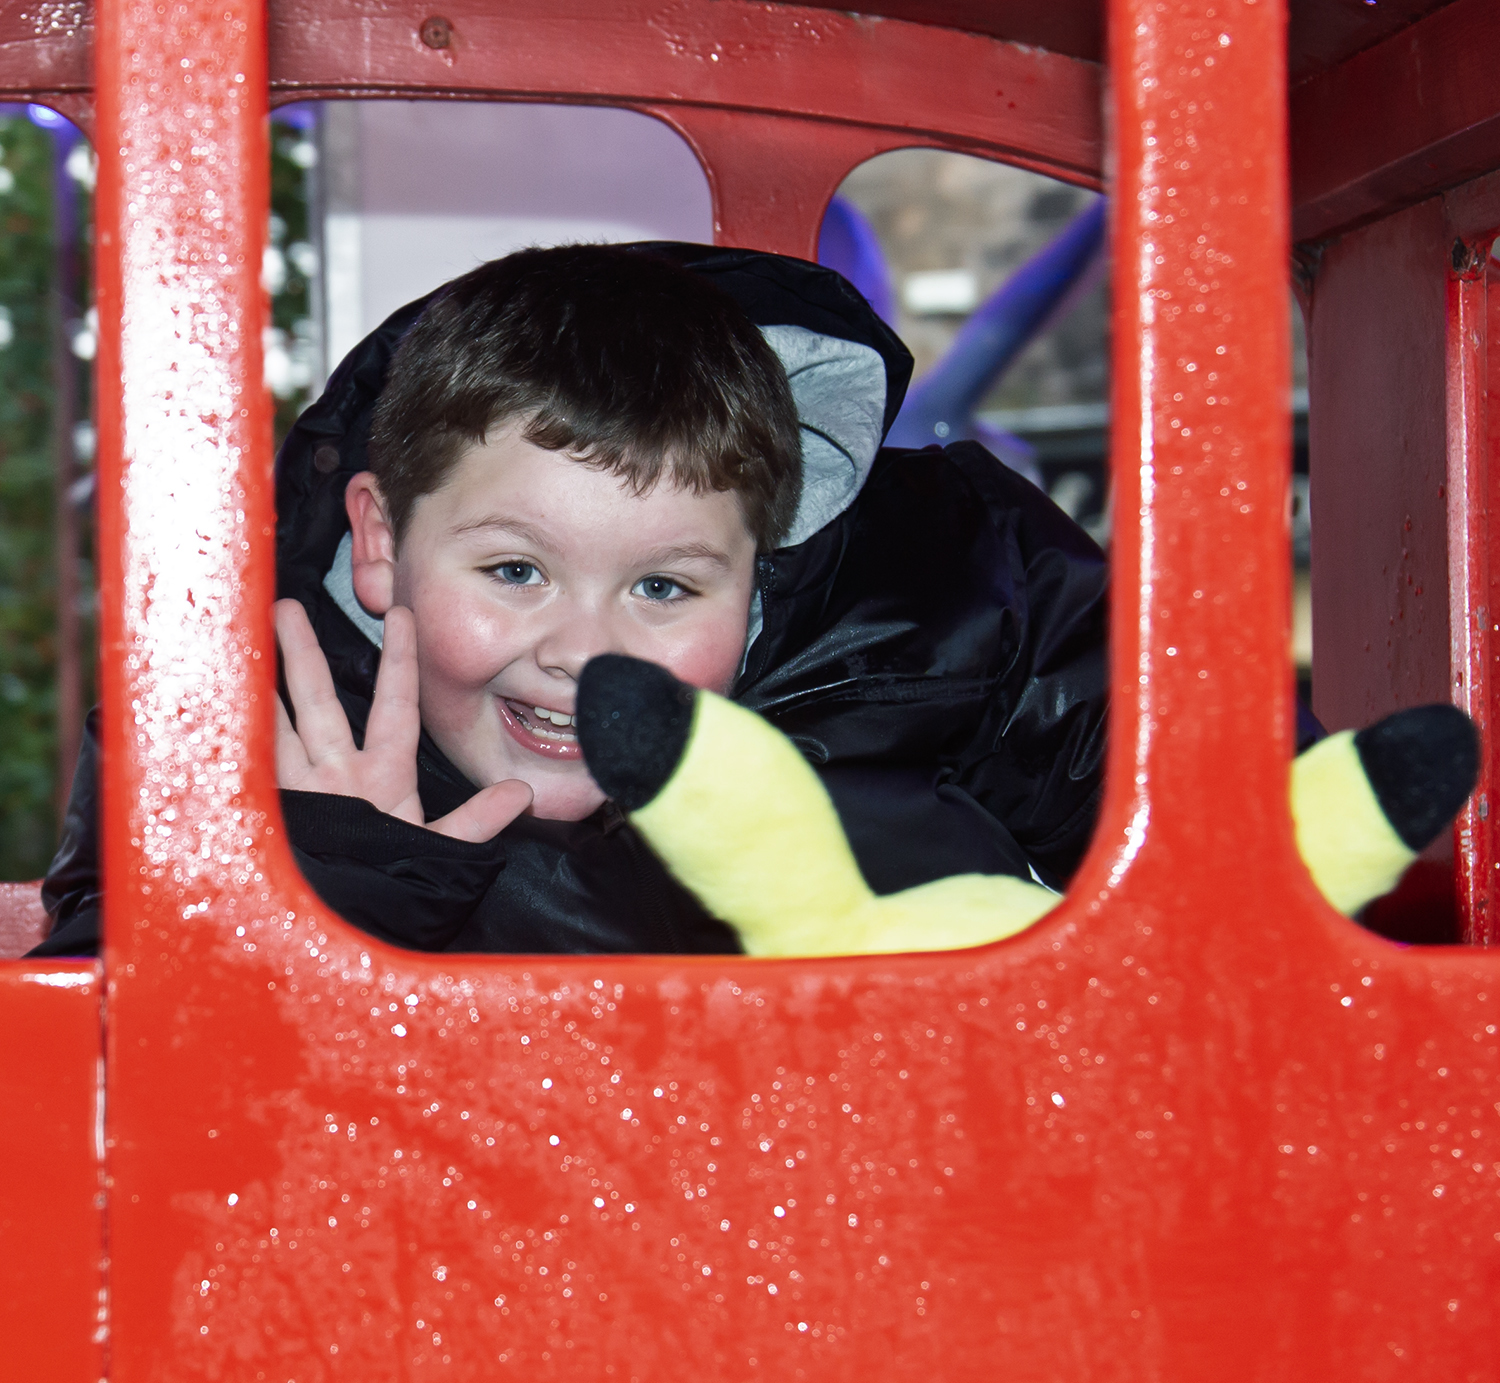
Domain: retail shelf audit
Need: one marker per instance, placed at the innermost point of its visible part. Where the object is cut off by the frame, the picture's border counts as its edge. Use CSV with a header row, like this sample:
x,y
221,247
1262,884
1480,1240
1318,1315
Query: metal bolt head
x,y
1467,260
437,32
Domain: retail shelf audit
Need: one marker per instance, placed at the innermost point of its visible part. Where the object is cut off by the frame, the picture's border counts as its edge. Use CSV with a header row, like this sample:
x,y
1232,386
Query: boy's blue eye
x,y
517,573
658,588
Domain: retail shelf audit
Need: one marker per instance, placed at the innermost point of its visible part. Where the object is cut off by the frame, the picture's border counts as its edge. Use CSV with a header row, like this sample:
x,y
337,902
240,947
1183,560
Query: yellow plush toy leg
x,y
1348,845
746,825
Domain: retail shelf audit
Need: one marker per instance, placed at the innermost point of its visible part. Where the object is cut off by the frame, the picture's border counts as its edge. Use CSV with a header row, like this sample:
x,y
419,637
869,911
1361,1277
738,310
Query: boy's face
x,y
525,565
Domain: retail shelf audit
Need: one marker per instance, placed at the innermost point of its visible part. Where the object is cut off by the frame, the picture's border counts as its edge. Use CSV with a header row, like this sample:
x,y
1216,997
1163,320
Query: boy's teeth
x,y
548,724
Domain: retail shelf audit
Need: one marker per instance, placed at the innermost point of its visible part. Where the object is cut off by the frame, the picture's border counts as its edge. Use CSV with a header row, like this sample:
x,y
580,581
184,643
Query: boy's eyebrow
x,y
516,528
687,552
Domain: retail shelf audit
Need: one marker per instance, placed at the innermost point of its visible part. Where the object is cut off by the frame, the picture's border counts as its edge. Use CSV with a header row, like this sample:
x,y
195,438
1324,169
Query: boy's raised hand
x,y
318,754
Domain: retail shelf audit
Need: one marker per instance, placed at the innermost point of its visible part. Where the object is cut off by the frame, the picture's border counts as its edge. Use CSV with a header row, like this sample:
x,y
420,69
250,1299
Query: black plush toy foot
x,y
1422,764
634,719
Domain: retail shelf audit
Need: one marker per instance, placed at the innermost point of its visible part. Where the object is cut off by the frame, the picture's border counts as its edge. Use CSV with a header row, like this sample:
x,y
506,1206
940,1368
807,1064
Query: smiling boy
x,y
674,452
499,565
524,564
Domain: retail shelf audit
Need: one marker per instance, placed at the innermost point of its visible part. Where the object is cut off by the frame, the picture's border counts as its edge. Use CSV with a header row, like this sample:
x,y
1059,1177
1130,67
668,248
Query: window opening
x,y
953,231
937,239
414,193
47,345
404,210
291,271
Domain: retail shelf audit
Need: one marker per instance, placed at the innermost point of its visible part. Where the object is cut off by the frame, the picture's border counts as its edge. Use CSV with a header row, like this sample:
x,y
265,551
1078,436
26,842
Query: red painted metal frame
x,y
868,84
1193,1125
916,81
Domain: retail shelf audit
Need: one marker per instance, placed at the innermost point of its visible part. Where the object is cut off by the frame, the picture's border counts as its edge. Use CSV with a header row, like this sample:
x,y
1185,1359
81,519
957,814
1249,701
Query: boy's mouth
x,y
551,734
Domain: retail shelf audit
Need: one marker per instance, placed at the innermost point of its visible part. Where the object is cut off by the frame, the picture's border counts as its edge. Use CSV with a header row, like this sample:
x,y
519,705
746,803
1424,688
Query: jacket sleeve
x,y
402,883
1036,762
70,892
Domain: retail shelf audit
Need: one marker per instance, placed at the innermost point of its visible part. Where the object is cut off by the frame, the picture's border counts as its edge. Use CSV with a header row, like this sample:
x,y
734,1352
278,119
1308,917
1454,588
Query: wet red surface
x,y
1193,1124
52,1308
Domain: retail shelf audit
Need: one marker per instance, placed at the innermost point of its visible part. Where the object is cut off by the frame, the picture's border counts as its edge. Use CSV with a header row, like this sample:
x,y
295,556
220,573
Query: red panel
x,y
780,102
1398,122
47,47
916,83
1195,1126
1378,455
701,65
51,1223
1323,33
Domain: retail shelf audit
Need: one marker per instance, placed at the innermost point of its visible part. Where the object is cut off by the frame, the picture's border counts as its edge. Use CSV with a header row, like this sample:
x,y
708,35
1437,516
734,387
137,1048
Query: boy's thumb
x,y
486,813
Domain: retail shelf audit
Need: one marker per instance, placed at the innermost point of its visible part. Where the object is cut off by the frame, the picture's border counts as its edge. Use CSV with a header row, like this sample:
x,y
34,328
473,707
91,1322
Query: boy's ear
x,y
374,549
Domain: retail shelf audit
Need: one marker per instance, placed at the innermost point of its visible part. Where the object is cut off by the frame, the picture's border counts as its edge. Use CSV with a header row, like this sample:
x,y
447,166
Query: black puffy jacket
x,y
936,649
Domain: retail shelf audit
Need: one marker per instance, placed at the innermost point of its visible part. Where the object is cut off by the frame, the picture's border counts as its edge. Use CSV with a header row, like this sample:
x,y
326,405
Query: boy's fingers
x,y
395,722
322,725
291,758
487,813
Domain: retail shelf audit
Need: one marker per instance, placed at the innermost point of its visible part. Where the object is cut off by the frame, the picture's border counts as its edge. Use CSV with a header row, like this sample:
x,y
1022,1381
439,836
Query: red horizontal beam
x,y
920,82
1398,122
1028,105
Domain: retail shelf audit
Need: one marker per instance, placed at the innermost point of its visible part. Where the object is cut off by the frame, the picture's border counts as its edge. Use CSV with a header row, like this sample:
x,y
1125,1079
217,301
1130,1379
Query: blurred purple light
x,y
847,243
302,116
47,119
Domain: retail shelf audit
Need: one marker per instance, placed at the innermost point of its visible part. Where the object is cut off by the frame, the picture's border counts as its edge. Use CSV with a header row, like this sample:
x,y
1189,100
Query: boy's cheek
x,y
454,638
710,660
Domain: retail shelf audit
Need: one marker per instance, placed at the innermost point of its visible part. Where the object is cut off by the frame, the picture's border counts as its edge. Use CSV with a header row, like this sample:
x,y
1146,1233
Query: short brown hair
x,y
621,358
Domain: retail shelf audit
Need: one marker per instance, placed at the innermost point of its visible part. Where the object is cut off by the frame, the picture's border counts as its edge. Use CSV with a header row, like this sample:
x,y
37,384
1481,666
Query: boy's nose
x,y
579,632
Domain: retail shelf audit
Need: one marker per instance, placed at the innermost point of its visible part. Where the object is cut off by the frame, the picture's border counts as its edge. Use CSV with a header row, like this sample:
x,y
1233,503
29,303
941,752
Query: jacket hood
x,y
848,373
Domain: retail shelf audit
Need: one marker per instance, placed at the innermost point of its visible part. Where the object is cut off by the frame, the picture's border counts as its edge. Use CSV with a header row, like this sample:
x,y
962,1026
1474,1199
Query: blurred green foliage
x,y
291,269
28,653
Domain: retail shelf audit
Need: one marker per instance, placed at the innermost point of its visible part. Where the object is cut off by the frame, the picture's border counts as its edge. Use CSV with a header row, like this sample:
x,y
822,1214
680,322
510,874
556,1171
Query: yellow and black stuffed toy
x,y
740,818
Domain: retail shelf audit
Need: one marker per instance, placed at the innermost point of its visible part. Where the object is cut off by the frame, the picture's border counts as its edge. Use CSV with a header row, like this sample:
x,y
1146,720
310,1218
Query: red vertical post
x,y
1486,931
1200,449
1474,571
185,524
1472,606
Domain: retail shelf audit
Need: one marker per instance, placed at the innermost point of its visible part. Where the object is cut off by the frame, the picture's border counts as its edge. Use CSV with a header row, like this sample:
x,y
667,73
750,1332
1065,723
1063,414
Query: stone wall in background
x,y
938,212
